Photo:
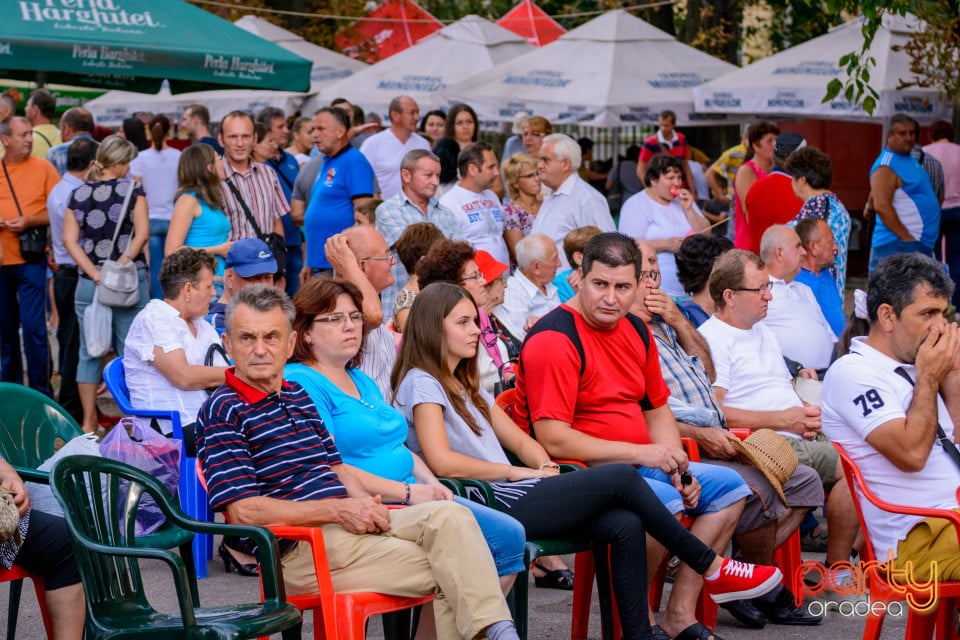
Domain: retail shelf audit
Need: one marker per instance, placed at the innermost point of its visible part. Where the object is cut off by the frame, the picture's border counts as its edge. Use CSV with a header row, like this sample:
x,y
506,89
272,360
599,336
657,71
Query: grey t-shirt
x,y
419,387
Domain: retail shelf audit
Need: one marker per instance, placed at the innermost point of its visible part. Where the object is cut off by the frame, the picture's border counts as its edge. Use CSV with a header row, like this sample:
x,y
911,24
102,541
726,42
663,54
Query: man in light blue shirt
x,y
76,123
416,202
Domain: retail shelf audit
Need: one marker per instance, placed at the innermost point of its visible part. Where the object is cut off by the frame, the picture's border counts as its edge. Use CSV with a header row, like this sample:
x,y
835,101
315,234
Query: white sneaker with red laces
x,y
740,580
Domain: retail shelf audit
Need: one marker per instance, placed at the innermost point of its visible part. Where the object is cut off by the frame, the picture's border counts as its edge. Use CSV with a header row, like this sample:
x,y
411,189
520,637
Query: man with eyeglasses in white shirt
x,y
755,390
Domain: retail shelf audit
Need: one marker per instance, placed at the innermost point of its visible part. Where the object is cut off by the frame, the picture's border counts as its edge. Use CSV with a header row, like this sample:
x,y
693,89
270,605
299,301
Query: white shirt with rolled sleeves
x,y
480,218
384,151
523,299
750,367
573,205
796,320
861,392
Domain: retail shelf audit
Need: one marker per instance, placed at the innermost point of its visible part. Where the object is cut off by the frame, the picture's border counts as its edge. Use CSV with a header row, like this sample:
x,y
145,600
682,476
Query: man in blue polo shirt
x,y
908,212
269,459
344,181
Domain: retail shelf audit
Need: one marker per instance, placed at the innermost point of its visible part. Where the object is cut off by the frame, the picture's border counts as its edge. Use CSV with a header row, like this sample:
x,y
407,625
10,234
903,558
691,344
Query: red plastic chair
x,y
19,573
336,616
920,625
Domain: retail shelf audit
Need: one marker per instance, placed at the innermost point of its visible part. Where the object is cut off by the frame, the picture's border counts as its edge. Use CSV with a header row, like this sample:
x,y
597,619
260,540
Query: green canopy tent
x,y
136,44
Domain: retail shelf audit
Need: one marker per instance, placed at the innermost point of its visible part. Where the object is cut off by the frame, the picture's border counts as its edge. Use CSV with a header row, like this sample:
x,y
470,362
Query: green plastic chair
x,y
100,500
32,427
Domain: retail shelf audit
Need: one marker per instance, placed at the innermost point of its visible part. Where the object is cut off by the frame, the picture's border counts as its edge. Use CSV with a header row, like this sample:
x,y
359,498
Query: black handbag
x,y
276,242
33,241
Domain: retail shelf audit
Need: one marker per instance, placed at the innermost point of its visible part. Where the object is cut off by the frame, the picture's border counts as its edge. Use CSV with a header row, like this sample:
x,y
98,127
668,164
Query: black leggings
x,y
611,504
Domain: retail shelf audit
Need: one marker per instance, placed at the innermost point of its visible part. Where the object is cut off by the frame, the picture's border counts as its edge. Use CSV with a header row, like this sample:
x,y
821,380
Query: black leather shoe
x,y
745,613
782,610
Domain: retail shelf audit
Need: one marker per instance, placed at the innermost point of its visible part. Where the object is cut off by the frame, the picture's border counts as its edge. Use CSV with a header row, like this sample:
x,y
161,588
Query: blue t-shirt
x,y
369,433
695,313
564,290
915,202
287,169
824,287
210,228
343,177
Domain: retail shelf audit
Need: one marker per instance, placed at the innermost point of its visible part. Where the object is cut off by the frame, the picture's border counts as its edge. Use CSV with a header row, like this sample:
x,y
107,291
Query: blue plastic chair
x,y
193,498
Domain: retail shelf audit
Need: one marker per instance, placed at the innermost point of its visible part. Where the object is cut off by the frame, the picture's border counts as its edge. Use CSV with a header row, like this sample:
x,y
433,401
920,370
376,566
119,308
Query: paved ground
x,y
549,612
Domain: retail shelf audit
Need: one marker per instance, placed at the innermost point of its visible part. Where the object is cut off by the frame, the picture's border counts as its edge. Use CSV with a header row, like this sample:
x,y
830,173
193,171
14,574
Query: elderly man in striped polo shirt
x,y
269,459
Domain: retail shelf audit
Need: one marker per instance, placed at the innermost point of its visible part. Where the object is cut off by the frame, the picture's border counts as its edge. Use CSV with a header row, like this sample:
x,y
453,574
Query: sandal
x,y
657,633
697,631
815,540
556,579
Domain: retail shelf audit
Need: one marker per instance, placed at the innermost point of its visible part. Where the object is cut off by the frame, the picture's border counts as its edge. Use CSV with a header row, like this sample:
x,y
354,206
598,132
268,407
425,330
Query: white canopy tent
x,y
794,82
328,66
615,70
426,69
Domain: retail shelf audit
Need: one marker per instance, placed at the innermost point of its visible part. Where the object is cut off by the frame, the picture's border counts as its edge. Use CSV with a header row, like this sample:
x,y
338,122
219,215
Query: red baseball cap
x,y
490,267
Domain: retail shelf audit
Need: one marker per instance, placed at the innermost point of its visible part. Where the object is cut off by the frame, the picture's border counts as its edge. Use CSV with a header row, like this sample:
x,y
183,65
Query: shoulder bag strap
x,y
16,201
45,138
949,447
246,209
123,214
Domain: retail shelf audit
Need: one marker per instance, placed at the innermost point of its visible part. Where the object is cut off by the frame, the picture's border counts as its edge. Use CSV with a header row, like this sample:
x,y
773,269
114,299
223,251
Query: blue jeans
x,y
23,294
897,246
719,488
89,368
504,535
158,238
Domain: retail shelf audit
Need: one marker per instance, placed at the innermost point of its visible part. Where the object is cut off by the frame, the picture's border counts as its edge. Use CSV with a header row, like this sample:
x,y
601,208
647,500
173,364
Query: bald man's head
x,y
373,254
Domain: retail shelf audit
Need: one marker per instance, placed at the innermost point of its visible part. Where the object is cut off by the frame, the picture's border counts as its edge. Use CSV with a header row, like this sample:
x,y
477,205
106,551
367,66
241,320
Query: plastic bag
x,y
150,452
97,328
41,497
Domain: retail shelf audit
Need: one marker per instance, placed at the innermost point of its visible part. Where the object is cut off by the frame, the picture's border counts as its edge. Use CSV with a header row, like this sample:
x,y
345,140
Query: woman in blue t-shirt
x,y
198,220
369,433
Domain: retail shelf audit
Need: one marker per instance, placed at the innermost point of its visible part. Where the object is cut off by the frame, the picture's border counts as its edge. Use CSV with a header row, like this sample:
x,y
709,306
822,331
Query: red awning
x,y
402,23
530,21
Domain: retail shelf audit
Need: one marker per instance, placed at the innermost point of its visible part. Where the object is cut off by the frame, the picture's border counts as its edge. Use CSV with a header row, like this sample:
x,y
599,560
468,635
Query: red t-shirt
x,y
770,201
620,381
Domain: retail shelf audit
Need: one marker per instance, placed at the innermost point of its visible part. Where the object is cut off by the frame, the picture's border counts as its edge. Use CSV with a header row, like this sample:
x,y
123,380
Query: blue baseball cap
x,y
251,257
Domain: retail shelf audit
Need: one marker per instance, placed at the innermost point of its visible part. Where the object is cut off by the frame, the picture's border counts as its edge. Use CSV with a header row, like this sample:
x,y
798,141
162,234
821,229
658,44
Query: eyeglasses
x,y
653,275
388,257
762,290
527,176
338,318
476,276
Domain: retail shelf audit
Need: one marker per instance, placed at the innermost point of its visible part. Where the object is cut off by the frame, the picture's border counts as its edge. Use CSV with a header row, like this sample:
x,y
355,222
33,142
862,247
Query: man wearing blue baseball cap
x,y
249,261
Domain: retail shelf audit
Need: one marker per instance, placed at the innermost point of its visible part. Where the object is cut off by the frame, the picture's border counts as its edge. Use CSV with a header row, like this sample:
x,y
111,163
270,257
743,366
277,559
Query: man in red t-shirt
x,y
589,383
771,199
670,141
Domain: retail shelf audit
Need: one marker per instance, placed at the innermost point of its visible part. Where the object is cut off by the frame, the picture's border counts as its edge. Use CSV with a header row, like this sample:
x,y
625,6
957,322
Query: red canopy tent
x,y
530,21
402,23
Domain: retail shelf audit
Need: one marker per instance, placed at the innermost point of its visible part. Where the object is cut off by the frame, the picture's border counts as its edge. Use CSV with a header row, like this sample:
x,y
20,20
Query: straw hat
x,y
769,452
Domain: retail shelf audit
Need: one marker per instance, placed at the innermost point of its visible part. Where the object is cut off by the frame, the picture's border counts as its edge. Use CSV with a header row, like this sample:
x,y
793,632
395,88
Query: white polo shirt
x,y
860,393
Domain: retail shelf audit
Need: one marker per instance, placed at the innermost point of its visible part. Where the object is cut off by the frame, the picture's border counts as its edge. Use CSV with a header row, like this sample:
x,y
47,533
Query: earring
x,y
188,298
308,343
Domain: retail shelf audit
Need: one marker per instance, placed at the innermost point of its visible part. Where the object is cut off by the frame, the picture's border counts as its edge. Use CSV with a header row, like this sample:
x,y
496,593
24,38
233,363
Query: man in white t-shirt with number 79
x,y
883,402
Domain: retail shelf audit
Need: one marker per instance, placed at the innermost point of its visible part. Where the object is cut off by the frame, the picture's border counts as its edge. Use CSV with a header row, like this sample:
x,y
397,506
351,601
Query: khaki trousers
x,y
434,547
